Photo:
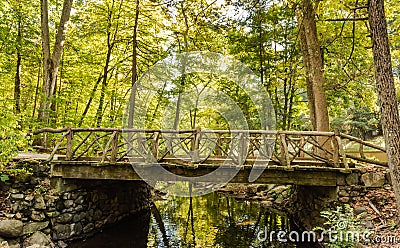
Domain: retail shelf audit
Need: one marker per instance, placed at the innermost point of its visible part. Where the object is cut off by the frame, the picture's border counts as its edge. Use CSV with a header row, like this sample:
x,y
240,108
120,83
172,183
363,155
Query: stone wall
x,y
40,210
308,201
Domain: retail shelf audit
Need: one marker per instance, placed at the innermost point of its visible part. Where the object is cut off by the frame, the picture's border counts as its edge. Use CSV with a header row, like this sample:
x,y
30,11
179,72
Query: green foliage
x,y
261,34
341,224
12,139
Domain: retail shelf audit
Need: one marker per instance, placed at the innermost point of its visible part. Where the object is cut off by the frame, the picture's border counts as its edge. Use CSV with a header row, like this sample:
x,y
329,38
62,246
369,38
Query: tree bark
x,y
132,98
17,79
316,67
307,70
50,64
111,41
386,91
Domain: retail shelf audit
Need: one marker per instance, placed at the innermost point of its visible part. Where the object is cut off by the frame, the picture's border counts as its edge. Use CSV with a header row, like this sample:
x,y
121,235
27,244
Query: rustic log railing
x,y
191,147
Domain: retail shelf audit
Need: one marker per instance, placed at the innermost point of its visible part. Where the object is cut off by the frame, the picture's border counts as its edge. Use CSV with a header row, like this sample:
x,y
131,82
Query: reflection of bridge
x,y
304,158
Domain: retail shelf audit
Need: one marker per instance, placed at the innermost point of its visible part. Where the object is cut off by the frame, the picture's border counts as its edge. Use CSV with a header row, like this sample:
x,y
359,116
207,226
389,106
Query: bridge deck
x,y
273,174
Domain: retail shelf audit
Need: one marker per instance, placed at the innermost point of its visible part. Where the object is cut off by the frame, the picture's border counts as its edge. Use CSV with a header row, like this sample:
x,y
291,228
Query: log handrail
x,y
107,143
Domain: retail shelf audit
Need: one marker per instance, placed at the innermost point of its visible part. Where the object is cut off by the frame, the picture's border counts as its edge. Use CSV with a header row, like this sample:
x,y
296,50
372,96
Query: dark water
x,y
213,220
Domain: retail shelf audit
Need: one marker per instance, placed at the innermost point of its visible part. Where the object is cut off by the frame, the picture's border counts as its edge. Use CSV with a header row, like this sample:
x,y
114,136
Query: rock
x,y
37,216
79,217
373,179
4,244
29,198
50,200
39,204
360,210
76,228
61,231
13,243
34,227
279,200
17,196
352,179
266,203
79,200
368,224
343,193
35,246
53,214
98,214
89,227
68,203
37,238
11,228
62,244
344,199
278,190
64,218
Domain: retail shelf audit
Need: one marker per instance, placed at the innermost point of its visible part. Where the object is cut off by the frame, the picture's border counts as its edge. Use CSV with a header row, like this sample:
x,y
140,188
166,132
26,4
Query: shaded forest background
x,y
111,43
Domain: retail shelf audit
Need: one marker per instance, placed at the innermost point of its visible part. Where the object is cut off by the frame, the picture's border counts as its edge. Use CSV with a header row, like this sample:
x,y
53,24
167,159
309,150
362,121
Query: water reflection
x,y
212,220
216,220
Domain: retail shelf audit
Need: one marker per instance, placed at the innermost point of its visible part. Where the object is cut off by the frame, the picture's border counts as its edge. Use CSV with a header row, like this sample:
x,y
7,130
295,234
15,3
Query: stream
x,y
214,220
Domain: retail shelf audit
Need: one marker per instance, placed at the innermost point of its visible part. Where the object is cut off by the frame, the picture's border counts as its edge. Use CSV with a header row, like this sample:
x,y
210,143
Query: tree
x,y
386,91
316,66
51,63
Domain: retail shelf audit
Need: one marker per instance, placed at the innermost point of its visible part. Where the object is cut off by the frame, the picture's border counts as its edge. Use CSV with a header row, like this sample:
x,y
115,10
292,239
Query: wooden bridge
x,y
290,157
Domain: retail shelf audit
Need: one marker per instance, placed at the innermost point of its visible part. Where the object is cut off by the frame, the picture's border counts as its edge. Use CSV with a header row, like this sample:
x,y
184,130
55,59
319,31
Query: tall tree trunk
x,y
50,64
307,70
386,91
183,76
99,112
17,80
132,98
316,66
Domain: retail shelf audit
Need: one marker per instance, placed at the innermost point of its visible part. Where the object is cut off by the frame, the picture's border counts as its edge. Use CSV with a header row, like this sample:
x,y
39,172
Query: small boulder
x,y
278,190
359,210
11,228
373,179
4,244
34,227
37,238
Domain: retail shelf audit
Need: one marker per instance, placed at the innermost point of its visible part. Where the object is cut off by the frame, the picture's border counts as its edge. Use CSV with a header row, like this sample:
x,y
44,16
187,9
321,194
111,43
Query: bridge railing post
x,y
156,142
284,152
338,138
336,151
195,145
114,146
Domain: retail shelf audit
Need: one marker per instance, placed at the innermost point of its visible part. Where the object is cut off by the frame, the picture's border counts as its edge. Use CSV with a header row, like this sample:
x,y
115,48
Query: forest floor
x,y
380,206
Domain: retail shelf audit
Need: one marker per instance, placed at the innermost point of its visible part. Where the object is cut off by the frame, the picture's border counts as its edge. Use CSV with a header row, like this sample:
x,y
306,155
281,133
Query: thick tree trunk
x,y
307,70
386,91
50,64
316,67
